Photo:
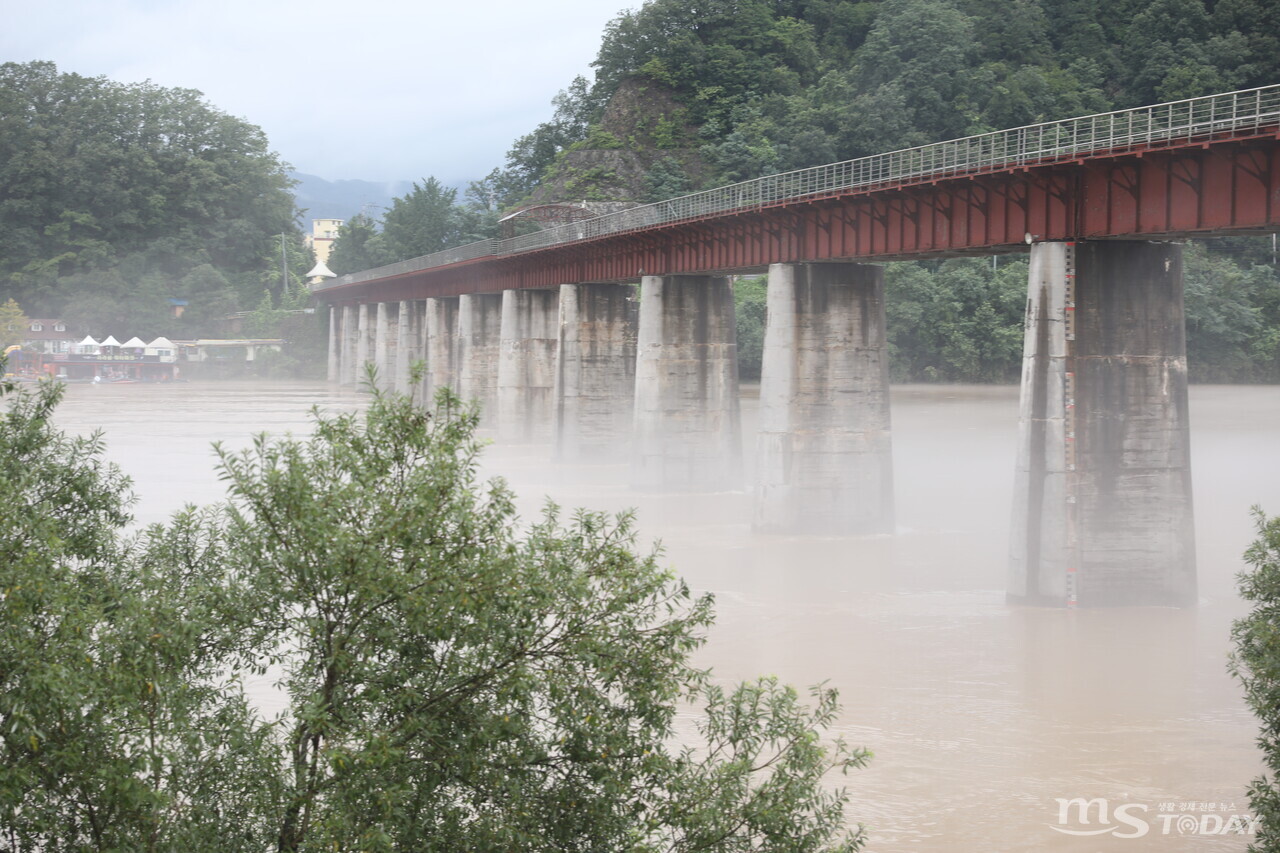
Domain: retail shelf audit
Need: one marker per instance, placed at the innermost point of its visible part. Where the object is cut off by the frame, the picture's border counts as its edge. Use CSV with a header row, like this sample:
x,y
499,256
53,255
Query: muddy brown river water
x,y
982,716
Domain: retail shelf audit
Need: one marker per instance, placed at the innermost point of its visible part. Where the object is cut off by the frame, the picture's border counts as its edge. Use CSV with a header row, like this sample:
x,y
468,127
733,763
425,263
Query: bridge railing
x,y
1037,144
467,252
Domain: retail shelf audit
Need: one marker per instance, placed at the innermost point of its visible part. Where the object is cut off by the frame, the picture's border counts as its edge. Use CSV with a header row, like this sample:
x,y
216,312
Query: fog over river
x,y
981,715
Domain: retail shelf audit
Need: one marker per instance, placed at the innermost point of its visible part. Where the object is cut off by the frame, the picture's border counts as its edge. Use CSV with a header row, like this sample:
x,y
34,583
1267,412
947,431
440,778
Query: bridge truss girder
x,y
1228,187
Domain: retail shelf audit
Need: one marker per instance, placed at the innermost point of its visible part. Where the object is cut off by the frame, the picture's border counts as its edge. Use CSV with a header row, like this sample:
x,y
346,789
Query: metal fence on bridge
x,y
1213,116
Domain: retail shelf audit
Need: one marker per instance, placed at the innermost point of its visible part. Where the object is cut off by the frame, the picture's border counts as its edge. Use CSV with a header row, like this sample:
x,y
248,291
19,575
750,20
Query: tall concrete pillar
x,y
477,347
527,364
406,344
385,343
595,373
418,351
824,460
335,342
439,341
350,339
1102,496
364,342
687,432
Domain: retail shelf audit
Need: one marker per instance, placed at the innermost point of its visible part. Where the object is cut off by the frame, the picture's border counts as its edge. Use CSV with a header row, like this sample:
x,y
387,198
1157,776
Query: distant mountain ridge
x,y
321,199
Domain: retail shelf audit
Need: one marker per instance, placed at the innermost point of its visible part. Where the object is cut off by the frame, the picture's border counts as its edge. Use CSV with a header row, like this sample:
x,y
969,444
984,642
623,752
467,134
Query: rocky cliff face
x,y
641,150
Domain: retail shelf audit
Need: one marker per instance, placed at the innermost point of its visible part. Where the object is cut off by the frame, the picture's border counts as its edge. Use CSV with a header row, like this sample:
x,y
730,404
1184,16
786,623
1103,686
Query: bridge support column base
x,y
386,342
333,373
687,433
595,373
479,330
1102,496
824,461
408,345
347,371
527,364
364,344
440,344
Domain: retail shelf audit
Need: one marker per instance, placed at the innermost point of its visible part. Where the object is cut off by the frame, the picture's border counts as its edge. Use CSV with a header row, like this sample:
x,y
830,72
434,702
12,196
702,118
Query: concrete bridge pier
x,y
335,344
824,462
477,348
687,433
418,347
350,336
386,342
439,343
1102,498
529,339
408,344
364,343
595,372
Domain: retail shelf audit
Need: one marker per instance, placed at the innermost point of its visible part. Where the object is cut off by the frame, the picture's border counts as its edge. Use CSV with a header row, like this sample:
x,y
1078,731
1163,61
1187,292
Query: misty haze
x,y
979,714
783,425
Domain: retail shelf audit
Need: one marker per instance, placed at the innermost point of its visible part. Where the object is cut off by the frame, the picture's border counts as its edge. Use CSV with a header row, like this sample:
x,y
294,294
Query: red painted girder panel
x,y
1172,191
1154,178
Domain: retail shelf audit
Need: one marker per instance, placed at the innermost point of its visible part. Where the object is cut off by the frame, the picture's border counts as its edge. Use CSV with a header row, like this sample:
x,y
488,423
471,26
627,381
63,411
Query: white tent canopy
x,y
110,342
133,343
162,347
88,342
321,271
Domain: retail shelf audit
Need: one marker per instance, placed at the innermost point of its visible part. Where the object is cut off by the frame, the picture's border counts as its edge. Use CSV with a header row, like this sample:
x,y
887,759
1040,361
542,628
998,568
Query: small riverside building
x,y
135,360
48,335
111,361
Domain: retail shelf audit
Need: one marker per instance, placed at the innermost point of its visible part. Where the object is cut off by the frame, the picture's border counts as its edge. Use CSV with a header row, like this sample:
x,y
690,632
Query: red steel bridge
x,y
1206,165
571,353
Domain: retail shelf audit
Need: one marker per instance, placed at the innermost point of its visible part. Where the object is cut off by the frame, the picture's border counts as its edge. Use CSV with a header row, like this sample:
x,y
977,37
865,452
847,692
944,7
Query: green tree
x,y
532,154
744,154
454,680
837,79
210,299
1256,663
665,179
264,321
13,324
473,687
357,247
922,48
1221,316
288,276
103,178
750,297
121,728
425,220
479,214
957,321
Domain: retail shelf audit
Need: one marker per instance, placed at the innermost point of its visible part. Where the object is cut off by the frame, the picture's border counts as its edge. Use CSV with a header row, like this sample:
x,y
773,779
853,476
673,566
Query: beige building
x,y
320,240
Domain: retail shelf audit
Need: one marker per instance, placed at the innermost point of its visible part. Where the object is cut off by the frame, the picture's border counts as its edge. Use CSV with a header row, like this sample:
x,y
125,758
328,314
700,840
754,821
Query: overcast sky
x,y
377,90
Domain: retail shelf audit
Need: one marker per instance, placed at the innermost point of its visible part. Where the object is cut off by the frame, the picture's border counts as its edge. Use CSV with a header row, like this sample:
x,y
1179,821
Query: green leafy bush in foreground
x,y
1256,662
451,679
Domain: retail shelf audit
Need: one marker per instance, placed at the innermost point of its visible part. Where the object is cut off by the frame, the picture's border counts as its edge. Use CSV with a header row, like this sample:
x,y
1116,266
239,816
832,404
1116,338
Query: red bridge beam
x,y
1220,187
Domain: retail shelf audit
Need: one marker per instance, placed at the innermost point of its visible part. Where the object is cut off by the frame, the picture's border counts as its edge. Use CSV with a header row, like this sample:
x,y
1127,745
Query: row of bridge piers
x,y
598,371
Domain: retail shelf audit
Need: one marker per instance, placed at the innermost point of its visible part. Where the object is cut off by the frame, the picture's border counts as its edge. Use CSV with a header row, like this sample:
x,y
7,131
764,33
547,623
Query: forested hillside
x,y
763,86
115,198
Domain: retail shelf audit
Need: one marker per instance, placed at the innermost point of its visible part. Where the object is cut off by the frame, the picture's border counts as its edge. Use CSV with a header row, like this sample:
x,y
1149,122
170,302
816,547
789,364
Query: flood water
x,y
980,714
